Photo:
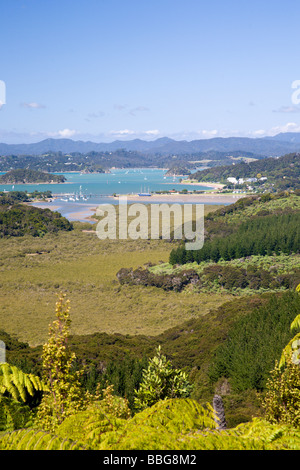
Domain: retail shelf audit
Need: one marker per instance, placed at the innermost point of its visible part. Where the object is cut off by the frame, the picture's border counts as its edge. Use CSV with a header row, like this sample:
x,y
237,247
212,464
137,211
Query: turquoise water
x,y
95,186
89,190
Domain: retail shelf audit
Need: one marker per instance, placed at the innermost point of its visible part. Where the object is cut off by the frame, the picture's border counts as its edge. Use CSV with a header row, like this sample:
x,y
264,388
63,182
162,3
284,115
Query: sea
x,y
82,191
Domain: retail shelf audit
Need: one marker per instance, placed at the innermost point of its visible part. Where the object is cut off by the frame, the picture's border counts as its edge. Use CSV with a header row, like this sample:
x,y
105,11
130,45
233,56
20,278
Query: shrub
x,y
282,400
161,381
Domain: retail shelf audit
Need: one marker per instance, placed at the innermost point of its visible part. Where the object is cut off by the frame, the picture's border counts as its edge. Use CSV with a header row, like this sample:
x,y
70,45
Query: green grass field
x,y
34,270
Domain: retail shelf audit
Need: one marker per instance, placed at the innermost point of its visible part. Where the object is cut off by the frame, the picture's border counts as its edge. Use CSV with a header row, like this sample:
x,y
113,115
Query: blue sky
x,y
103,70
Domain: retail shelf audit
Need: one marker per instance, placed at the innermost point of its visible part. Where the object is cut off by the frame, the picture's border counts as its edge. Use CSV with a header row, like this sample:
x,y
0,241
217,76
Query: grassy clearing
x,y
34,270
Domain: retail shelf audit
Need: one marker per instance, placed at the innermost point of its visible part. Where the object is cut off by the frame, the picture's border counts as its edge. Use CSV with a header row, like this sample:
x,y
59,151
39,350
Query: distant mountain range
x,y
265,146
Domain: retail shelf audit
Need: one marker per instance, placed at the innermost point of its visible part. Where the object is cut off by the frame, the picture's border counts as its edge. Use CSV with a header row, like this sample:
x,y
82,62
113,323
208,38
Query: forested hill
x,y
100,161
282,172
23,176
252,226
18,219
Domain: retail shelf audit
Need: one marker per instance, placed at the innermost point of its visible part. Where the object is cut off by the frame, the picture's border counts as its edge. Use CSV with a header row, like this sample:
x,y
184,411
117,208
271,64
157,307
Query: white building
x,y
232,180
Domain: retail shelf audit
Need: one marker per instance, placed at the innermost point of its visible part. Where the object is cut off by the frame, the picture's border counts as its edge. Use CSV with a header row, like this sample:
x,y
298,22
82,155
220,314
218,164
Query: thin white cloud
x,y
132,111
66,133
123,132
152,132
13,136
94,115
138,109
208,134
120,107
135,134
259,133
288,127
287,109
33,105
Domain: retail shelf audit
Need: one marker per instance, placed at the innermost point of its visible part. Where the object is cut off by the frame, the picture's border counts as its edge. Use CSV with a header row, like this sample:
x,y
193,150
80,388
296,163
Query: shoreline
x,y
208,198
83,216
85,211
215,186
217,198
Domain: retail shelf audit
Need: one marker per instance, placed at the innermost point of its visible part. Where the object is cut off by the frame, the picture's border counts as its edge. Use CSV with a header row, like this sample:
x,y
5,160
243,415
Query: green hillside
x,y
272,174
222,322
264,225
26,176
19,220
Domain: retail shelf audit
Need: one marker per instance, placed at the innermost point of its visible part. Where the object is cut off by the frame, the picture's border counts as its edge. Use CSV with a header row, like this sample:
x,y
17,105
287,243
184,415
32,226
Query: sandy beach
x,y
215,186
83,215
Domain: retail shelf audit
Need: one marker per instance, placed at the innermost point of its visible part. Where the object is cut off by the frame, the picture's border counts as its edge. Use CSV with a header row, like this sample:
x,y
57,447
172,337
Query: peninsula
x,y
25,176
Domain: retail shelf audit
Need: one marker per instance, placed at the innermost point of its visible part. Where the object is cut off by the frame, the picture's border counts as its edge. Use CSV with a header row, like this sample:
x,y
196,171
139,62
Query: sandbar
x,y
205,198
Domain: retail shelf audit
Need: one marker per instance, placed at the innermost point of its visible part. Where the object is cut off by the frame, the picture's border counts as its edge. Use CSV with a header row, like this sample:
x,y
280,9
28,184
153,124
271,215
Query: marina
x,y
77,198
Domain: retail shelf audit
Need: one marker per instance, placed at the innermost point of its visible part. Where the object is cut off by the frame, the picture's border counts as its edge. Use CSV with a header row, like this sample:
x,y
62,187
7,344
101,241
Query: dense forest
x,y
13,197
18,218
263,235
104,161
25,176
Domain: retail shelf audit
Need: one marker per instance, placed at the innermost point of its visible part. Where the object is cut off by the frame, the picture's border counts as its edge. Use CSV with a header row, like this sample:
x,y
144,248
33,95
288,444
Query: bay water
x,y
83,191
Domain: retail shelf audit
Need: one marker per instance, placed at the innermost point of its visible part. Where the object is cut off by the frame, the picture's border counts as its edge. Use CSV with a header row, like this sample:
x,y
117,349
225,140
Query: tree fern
x,y
32,439
90,426
292,349
17,384
13,415
161,427
177,424
296,322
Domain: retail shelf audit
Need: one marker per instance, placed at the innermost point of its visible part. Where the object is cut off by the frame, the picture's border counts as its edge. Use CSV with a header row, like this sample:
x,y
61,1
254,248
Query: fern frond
x,y
32,439
13,414
161,427
17,384
291,350
295,325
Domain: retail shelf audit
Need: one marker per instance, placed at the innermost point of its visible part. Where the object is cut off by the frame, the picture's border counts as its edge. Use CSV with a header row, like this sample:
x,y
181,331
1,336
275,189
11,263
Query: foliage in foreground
x,y
161,381
17,385
14,415
169,424
176,424
65,395
282,400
